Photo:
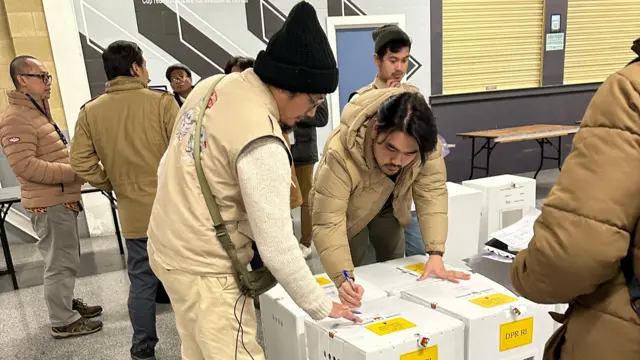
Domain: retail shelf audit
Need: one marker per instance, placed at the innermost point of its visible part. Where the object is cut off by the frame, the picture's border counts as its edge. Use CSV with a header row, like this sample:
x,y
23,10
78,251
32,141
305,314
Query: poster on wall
x,y
555,42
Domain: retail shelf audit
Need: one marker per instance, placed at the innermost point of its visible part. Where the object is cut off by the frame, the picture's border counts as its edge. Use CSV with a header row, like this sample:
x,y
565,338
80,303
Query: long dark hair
x,y
410,113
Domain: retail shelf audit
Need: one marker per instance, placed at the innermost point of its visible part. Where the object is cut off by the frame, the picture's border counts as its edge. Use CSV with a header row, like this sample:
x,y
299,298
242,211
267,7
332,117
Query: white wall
x,y
74,89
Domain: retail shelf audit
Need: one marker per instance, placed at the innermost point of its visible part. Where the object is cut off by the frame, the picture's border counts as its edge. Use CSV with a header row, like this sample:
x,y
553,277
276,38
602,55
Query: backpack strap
x,y
221,230
250,283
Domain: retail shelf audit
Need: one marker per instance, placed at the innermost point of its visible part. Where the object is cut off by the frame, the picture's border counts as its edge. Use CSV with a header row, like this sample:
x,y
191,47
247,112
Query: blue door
x,y
355,60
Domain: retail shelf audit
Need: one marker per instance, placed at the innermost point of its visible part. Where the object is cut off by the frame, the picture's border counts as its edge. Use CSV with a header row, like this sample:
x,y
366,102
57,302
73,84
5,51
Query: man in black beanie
x,y
247,166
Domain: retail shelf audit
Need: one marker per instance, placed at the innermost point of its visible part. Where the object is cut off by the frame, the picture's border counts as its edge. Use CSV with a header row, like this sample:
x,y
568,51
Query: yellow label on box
x,y
430,353
493,300
516,334
417,267
323,281
390,326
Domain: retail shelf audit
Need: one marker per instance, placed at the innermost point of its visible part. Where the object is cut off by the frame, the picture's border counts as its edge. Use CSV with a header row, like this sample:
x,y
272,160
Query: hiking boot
x,y
79,327
144,354
85,310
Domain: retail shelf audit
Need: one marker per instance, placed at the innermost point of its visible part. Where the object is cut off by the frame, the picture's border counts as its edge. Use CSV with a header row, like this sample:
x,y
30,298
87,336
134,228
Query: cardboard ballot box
x,y
283,320
465,208
395,275
392,328
505,199
499,325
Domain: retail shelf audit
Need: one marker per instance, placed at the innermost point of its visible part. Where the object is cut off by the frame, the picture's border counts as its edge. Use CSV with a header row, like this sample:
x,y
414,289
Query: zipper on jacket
x,y
62,187
379,207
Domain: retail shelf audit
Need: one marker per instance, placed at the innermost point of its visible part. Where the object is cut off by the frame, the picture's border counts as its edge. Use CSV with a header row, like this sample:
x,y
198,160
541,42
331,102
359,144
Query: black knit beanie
x,y
385,33
298,57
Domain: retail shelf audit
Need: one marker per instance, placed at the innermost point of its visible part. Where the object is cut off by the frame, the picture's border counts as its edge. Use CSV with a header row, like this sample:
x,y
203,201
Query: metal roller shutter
x,y
491,45
599,37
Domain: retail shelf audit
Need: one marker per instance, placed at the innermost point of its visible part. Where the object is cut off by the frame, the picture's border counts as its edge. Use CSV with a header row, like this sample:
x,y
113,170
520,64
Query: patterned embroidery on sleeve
x,y
187,122
190,144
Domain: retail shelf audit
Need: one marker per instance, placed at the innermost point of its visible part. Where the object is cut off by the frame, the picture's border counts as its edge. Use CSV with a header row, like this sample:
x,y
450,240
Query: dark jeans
x,y
256,262
414,245
142,295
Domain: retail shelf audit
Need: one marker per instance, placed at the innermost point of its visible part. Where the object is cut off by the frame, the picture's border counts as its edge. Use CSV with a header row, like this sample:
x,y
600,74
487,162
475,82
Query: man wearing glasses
x,y
38,155
179,76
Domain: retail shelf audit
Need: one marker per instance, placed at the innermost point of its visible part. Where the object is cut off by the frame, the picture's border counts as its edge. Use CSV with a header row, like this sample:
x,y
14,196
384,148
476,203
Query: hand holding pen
x,y
350,293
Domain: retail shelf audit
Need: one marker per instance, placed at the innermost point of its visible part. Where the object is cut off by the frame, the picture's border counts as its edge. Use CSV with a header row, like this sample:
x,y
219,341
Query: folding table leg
x,y
5,247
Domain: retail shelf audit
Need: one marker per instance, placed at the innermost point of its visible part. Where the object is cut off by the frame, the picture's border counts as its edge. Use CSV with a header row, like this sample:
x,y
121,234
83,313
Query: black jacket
x,y
305,148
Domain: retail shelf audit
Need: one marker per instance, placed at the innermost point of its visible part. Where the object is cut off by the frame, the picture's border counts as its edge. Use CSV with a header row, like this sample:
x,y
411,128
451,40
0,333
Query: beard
x,y
286,129
391,169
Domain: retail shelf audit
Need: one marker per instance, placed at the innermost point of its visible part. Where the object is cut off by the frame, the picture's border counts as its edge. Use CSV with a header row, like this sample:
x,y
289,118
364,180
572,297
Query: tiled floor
x,y
103,280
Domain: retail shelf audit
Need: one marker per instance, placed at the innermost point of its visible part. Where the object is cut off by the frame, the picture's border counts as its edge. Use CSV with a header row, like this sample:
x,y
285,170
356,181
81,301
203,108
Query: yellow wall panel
x,y
599,38
491,45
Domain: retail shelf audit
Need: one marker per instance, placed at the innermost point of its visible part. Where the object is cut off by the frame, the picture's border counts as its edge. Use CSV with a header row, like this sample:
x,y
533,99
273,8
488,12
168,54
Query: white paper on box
x,y
283,320
396,275
392,328
499,324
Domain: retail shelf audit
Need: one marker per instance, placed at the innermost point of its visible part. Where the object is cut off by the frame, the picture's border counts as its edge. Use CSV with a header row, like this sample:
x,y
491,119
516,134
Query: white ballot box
x,y
396,275
498,269
392,328
499,325
465,208
505,199
283,320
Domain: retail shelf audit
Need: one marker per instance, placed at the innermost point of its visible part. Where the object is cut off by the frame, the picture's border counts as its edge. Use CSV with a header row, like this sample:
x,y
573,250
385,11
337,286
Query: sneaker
x,y
306,251
80,327
85,310
144,354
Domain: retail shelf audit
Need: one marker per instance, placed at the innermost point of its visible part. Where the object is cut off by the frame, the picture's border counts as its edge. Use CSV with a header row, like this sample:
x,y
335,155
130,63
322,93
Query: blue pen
x,y
346,277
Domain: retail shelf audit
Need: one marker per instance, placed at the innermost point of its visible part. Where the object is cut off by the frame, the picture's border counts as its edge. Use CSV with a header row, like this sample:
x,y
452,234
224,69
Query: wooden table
x,y
11,195
541,133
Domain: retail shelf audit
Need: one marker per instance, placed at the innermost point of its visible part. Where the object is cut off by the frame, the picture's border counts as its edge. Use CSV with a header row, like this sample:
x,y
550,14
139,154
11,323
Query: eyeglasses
x,y
46,77
314,103
176,79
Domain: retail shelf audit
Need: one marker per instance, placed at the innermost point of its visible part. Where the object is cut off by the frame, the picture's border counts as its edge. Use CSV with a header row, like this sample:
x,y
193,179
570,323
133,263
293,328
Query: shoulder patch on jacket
x,y
160,90
81,107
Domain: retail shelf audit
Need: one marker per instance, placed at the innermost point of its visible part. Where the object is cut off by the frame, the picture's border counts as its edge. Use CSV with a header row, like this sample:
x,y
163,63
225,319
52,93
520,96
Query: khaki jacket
x,y
37,155
349,189
379,84
181,234
127,129
587,222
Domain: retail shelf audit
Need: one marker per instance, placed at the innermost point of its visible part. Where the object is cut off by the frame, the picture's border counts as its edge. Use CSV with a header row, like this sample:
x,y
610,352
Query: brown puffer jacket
x,y
37,155
585,230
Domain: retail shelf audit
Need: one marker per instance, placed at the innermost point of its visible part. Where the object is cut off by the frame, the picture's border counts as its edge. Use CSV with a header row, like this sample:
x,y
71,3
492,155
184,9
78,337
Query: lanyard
x,y
35,103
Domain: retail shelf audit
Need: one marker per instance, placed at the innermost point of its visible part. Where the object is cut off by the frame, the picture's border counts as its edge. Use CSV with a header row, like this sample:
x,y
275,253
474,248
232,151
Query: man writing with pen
x,y
384,154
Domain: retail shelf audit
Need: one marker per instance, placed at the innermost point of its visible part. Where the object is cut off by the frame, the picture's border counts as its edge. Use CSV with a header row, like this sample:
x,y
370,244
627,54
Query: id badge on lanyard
x,y
55,126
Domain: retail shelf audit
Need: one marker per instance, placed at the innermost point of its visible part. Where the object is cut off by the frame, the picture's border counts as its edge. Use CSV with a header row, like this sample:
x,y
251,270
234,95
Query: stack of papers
x,y
495,261
507,242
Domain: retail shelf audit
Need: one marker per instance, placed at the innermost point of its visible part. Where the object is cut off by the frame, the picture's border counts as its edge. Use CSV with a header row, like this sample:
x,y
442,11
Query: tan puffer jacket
x,y
349,188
